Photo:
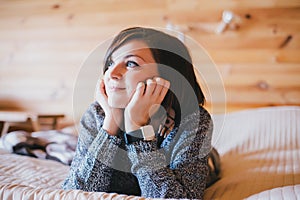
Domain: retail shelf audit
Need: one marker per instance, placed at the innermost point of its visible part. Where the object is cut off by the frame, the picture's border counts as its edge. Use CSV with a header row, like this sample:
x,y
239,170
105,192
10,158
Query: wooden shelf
x,y
12,118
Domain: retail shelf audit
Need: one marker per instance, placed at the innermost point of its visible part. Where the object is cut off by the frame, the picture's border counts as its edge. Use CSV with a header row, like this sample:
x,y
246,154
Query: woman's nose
x,y
116,71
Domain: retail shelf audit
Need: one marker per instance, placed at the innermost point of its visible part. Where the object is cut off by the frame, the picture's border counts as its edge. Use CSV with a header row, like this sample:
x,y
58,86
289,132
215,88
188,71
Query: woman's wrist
x,y
110,125
131,125
145,133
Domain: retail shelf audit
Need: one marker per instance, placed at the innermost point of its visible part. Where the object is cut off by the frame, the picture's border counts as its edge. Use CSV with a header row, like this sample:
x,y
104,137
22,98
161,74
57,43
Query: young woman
x,y
147,134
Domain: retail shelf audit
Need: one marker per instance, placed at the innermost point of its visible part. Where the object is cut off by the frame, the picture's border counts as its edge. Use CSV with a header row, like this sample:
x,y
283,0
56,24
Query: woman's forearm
x,y
110,125
91,169
178,171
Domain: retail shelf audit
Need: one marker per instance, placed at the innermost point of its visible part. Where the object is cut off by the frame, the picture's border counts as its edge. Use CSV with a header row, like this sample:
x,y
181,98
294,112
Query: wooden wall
x,y
43,45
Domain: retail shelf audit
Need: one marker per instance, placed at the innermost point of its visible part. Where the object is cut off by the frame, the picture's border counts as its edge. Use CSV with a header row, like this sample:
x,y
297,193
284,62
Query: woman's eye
x,y
131,64
110,63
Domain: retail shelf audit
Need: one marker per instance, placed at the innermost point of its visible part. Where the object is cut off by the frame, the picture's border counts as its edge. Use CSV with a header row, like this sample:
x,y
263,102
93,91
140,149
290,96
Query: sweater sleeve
x,y
91,167
180,169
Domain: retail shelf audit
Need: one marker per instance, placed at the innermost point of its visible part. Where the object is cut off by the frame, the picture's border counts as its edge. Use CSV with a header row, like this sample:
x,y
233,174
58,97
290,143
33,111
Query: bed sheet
x,y
260,150
260,155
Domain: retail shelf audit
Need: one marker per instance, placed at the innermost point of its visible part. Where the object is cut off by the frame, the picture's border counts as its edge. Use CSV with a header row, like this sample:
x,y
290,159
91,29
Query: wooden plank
x,y
263,82
117,5
274,68
49,7
84,40
248,18
262,76
219,109
228,4
64,57
253,95
255,56
243,15
230,42
92,20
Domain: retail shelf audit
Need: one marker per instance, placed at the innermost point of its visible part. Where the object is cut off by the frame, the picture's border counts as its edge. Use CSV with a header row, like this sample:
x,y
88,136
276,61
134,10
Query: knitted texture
x,y
178,168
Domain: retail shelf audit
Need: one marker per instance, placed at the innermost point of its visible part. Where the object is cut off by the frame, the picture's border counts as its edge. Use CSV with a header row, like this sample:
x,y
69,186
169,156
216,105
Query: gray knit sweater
x,y
177,168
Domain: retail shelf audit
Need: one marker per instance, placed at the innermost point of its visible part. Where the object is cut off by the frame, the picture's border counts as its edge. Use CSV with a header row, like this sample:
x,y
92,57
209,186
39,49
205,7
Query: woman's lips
x,y
116,88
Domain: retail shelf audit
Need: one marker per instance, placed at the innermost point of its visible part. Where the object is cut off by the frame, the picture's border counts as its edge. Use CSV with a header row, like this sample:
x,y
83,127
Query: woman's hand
x,y
113,116
145,102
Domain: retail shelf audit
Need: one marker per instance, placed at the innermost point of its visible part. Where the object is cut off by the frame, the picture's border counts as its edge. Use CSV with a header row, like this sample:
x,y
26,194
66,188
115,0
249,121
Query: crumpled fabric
x,y
53,145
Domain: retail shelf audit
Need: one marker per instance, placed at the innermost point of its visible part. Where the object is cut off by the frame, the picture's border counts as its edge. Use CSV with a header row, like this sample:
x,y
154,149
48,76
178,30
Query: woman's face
x,y
130,64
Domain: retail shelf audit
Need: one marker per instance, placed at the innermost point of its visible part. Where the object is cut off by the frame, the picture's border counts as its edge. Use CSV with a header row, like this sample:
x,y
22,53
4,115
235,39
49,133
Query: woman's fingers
x,y
160,90
140,88
162,86
146,100
164,90
156,87
102,97
159,86
102,88
153,91
150,87
139,92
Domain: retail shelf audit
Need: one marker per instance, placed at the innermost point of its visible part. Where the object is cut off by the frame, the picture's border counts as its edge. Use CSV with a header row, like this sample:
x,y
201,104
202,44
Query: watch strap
x,y
133,136
144,133
148,132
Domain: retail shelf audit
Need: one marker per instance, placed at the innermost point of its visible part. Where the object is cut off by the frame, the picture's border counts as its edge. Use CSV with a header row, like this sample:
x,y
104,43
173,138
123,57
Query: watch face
x,y
148,132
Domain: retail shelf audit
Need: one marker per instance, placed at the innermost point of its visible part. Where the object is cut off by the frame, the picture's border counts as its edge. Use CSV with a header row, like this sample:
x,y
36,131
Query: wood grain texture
x,y
44,45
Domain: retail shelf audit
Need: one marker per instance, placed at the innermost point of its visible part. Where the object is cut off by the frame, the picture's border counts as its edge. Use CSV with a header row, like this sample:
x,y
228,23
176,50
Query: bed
x,y
260,155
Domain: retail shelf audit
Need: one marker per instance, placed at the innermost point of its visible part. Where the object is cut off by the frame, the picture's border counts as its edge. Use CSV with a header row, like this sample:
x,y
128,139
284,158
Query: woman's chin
x,y
114,103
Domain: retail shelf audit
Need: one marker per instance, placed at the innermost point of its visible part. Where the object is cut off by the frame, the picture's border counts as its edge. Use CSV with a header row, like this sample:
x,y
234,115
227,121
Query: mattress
x,y
260,155
260,151
28,178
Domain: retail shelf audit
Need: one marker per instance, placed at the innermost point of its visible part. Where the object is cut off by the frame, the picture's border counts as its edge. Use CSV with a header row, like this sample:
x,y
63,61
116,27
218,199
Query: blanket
x,y
53,144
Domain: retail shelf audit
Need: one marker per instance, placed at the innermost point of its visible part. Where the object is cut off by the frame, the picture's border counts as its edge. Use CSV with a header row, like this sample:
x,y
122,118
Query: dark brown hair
x,y
174,64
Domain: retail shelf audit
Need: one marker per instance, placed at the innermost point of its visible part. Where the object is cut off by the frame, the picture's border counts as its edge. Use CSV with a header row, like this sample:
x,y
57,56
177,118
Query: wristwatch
x,y
145,133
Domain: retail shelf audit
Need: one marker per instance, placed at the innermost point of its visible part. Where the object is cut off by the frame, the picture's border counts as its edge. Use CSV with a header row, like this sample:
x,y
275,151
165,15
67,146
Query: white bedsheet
x,y
26,178
260,151
259,148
